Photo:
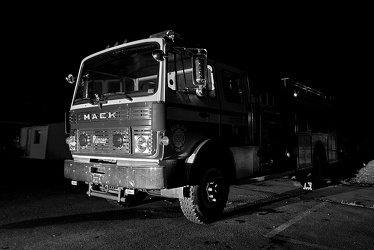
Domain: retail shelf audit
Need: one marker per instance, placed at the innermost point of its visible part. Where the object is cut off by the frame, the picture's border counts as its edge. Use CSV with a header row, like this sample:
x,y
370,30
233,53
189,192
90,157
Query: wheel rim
x,y
215,188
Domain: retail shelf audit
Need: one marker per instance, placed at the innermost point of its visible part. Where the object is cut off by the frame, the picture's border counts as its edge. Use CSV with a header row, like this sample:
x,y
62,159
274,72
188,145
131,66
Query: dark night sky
x,y
325,47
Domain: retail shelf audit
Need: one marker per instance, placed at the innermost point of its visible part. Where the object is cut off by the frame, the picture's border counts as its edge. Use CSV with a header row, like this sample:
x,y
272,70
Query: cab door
x,y
233,118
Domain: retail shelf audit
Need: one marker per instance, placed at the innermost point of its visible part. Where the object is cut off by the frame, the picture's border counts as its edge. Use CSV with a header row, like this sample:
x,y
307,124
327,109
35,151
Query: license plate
x,y
97,178
129,191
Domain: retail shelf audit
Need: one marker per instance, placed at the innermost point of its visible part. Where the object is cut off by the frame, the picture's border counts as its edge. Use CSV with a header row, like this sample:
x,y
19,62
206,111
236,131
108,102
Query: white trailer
x,y
44,142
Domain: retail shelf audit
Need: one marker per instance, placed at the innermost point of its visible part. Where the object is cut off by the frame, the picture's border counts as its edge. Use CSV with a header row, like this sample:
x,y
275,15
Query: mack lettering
x,y
99,116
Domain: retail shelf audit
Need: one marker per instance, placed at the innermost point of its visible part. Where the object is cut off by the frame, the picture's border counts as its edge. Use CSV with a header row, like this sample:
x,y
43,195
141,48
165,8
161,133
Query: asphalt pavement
x,y
41,210
33,175
280,188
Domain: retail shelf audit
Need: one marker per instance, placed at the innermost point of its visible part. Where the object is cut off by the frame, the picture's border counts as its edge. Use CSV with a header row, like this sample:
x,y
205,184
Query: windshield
x,y
124,73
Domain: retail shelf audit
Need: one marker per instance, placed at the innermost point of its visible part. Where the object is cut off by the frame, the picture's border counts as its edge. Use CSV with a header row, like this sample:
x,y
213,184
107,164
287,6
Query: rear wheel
x,y
206,200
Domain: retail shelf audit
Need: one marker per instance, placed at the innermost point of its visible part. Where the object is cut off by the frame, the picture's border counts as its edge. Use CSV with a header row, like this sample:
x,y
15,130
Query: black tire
x,y
207,199
131,200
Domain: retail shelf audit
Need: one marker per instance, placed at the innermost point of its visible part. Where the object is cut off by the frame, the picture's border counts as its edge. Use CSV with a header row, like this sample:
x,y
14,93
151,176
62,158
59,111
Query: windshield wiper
x,y
116,94
82,100
98,101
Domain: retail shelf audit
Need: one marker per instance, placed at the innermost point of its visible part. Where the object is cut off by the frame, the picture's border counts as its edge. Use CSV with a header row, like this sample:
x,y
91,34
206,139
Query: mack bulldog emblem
x,y
179,137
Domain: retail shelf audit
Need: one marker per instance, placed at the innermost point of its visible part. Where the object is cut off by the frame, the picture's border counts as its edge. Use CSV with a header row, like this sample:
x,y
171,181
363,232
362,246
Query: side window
x,y
179,75
37,136
232,86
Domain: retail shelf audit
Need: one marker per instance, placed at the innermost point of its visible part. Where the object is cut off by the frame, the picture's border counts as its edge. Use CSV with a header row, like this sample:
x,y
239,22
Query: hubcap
x,y
214,189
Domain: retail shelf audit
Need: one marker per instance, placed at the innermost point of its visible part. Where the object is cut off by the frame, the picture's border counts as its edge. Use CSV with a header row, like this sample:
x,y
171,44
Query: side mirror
x,y
199,68
200,71
70,79
158,55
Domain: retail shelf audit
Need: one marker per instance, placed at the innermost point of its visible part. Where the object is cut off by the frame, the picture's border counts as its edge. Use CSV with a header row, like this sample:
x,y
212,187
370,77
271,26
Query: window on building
x,y
37,136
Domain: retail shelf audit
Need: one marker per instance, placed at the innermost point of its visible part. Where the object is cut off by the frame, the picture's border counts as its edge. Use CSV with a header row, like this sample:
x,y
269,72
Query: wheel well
x,y
207,154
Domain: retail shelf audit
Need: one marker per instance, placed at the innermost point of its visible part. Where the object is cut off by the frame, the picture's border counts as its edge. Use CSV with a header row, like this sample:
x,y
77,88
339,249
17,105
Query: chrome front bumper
x,y
144,176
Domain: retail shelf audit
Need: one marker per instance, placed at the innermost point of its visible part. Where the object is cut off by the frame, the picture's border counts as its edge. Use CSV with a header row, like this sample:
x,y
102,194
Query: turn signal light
x,y
71,142
164,140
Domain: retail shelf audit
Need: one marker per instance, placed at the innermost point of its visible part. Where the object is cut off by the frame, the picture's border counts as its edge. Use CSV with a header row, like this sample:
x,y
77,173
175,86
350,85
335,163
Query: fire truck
x,y
153,117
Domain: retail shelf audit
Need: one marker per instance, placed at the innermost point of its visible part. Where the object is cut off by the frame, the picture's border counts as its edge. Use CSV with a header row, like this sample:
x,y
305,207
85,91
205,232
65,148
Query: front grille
x,y
140,113
102,141
110,131
119,114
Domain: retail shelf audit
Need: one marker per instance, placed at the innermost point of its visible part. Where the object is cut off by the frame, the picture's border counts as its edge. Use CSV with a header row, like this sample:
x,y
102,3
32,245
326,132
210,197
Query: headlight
x,y
83,140
118,140
142,144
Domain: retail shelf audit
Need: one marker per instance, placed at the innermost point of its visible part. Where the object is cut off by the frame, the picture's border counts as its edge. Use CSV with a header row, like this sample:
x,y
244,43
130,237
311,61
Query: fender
x,y
209,152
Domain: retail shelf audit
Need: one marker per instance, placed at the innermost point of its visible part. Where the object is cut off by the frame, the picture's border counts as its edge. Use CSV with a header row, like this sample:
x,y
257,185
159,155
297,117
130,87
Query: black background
x,y
326,47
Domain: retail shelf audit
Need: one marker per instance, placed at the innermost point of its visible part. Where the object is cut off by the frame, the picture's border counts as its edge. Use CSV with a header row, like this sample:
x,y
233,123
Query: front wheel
x,y
206,200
